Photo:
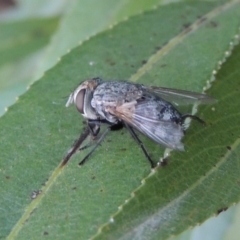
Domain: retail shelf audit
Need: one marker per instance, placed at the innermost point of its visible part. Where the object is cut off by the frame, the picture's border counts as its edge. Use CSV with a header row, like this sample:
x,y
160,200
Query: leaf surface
x,y
21,48
152,48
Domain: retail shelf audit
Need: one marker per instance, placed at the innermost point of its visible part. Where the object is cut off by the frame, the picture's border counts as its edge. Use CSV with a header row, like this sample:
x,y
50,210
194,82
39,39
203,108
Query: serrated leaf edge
x,y
193,186
33,205
146,67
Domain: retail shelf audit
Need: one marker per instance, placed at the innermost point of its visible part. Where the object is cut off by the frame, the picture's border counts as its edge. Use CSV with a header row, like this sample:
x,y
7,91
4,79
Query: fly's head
x,y
82,97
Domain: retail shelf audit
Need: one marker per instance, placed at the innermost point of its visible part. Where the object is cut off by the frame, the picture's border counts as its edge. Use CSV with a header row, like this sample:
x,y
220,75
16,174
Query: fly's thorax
x,y
110,95
102,108
117,92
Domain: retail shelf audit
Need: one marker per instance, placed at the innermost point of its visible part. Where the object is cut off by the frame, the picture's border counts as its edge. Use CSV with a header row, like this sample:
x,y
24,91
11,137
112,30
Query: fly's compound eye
x,y
79,101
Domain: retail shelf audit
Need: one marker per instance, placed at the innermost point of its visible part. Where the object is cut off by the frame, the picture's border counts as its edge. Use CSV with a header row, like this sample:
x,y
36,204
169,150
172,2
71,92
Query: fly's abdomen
x,y
158,120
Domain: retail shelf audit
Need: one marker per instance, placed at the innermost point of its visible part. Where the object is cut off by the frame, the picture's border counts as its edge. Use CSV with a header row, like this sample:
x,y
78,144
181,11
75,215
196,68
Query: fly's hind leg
x,y
139,142
192,117
94,128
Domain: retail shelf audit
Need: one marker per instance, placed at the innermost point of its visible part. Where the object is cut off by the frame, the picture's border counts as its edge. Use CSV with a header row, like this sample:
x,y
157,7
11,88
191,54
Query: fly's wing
x,y
178,97
166,133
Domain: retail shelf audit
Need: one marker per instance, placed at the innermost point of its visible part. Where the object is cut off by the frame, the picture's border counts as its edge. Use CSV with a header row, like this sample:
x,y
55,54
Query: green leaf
x,y
86,18
28,9
19,39
21,48
178,45
73,29
220,227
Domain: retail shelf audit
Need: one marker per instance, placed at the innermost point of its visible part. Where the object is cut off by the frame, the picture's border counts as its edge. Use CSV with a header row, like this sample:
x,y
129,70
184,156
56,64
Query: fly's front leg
x,y
95,147
76,145
94,128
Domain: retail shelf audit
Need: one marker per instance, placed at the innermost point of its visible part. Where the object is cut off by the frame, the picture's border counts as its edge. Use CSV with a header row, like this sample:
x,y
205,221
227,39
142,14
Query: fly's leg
x,y
98,122
85,147
95,147
76,145
139,142
192,117
94,129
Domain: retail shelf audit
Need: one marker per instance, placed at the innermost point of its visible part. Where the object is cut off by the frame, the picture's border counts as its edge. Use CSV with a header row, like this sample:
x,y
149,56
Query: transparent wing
x,y
166,133
180,97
